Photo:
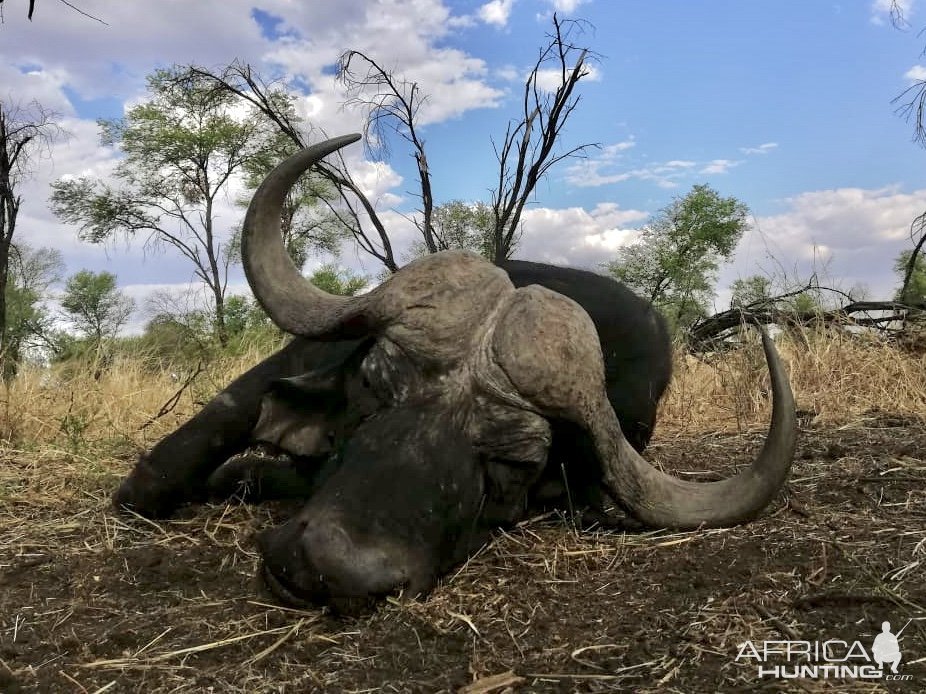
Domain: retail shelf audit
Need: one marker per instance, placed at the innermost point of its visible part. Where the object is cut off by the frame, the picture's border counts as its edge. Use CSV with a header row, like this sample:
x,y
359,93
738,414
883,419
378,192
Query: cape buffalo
x,y
422,415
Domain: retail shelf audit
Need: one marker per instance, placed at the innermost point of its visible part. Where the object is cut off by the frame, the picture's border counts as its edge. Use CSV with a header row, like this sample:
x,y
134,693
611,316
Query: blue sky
x,y
784,104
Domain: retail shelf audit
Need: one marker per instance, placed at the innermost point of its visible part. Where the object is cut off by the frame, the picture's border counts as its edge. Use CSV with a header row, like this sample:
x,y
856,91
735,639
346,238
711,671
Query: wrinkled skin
x,y
438,424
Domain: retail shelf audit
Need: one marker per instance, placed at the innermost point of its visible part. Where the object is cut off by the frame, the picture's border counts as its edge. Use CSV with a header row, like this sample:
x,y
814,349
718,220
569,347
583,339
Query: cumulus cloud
x,y
496,12
855,233
577,237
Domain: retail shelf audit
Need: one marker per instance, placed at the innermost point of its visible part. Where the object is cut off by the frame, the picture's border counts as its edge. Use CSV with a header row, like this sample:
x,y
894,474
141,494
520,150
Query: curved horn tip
x,y
326,147
343,140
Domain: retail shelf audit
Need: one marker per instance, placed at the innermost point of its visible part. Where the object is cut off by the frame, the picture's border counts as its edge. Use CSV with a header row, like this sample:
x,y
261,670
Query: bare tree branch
x,y
63,2
526,153
394,103
271,101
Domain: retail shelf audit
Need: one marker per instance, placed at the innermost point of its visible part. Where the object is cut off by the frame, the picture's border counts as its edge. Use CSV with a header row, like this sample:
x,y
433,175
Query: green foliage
x,y
336,280
675,261
95,306
467,226
750,290
181,340
243,314
28,323
916,289
756,290
458,224
181,147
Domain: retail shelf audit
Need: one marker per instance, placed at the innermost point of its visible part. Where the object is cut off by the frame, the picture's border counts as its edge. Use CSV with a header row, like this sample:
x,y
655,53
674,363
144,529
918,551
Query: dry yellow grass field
x,y
835,378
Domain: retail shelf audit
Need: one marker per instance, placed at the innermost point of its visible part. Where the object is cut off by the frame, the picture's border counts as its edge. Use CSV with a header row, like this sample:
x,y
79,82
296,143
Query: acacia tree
x,y
181,149
675,261
95,306
336,280
458,224
393,104
25,132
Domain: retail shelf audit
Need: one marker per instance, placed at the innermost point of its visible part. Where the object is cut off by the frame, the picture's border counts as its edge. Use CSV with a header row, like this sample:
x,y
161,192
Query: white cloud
x,y
761,149
496,12
588,172
917,73
566,6
376,179
550,79
576,237
397,34
608,166
404,33
508,73
604,168
856,233
677,164
719,166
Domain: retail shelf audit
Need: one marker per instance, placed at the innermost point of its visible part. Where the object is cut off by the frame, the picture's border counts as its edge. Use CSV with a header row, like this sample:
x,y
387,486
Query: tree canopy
x,y
95,306
675,261
181,149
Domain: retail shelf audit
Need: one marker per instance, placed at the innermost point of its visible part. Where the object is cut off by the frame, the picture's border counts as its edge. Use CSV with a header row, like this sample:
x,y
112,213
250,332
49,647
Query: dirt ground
x,y
91,601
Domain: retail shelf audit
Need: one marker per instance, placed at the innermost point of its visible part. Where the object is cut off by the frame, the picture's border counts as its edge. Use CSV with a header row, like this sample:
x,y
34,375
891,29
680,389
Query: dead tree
x,y
392,103
526,153
893,320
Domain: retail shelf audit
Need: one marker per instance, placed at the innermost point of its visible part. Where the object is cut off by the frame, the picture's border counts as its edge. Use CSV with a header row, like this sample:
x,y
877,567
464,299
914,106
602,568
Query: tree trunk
x,y
8,211
218,291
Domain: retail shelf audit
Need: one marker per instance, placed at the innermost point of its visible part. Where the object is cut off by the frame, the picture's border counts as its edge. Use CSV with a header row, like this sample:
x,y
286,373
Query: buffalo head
x,y
468,372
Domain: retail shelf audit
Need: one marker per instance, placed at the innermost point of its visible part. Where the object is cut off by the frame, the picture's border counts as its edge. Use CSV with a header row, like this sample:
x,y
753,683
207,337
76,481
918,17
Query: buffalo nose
x,y
323,561
347,566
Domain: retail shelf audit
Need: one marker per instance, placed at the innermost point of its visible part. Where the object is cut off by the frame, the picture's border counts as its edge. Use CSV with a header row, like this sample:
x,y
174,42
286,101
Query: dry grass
x,y
93,601
836,379
72,407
